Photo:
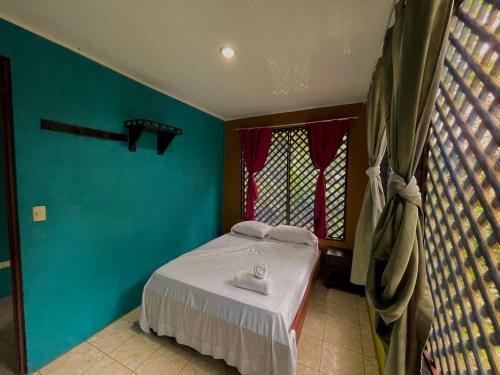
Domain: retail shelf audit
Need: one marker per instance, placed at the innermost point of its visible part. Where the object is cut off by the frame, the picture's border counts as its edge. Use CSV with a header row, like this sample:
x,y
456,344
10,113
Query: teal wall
x,y
113,216
5,283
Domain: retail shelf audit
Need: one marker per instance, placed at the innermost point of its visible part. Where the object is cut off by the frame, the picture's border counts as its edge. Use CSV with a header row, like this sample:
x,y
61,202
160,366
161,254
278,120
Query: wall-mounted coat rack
x,y
80,130
135,128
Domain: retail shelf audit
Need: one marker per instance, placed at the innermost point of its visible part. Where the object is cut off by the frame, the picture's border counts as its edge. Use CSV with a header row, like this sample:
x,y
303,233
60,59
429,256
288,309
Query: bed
x,y
193,299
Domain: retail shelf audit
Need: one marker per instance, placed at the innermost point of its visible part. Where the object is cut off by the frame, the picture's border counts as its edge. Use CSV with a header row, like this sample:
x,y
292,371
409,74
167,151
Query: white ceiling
x,y
291,54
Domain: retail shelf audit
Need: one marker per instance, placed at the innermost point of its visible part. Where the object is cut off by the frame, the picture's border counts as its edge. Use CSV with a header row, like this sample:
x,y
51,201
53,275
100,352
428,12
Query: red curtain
x,y
324,139
255,144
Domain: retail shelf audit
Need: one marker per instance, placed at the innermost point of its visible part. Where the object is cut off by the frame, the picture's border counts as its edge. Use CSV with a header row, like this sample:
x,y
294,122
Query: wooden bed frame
x,y
298,321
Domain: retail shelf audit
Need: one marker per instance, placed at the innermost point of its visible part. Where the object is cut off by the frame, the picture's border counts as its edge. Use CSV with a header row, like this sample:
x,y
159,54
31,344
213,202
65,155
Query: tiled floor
x,y
8,357
336,337
335,340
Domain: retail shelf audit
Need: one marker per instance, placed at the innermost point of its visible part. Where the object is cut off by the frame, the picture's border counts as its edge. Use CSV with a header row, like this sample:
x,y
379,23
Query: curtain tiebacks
x,y
373,172
409,192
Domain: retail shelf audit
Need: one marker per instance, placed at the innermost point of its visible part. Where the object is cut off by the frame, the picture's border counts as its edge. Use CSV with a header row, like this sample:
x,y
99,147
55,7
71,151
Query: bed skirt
x,y
250,352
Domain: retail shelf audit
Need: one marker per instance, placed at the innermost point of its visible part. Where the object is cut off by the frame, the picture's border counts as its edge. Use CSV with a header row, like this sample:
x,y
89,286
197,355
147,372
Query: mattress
x,y
193,299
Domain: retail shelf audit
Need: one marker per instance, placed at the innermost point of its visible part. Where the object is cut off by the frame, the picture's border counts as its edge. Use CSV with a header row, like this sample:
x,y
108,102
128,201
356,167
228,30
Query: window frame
x,y
289,131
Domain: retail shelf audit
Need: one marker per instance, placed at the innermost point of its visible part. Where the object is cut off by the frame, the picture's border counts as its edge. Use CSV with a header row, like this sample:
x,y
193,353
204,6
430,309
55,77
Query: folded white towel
x,y
260,270
246,280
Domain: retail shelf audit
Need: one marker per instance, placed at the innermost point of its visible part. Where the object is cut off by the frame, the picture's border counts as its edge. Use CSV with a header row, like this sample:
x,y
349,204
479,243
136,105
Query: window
x,y
288,181
462,193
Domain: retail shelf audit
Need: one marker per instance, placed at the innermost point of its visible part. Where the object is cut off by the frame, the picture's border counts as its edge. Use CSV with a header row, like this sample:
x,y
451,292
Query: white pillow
x,y
251,228
289,233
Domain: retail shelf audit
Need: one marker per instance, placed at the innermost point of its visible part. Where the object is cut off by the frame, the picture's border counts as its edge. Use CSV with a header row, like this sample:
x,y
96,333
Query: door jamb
x,y
12,216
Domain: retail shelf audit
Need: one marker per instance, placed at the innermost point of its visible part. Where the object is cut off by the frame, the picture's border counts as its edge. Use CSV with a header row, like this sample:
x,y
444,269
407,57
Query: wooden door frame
x,y
12,214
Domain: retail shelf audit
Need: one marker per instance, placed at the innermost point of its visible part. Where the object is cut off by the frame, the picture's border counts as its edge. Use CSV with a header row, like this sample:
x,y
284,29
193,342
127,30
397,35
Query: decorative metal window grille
x,y
462,203
288,181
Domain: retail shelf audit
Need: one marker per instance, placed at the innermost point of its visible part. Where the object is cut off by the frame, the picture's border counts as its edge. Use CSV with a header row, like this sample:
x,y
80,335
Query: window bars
x,y
288,181
462,204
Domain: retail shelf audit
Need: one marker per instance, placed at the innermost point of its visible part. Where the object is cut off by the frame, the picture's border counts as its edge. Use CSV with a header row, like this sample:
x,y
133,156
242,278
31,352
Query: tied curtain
x,y
324,140
255,144
373,200
396,284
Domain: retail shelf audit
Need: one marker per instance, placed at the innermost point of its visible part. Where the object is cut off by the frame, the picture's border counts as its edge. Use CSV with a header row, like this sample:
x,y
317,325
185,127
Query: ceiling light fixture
x,y
227,52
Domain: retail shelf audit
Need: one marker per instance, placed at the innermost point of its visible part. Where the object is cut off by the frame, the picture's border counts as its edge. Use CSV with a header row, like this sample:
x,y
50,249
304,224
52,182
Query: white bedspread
x,y
192,299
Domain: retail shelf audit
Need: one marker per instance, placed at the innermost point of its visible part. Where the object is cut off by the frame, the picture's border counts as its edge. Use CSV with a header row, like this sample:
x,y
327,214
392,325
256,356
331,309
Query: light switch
x,y
39,213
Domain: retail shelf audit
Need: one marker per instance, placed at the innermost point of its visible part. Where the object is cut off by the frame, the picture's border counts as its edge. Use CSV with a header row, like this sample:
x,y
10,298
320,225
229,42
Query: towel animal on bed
x,y
256,280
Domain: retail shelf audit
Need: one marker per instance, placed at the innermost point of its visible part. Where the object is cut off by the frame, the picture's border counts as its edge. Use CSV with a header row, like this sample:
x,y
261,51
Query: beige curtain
x,y
374,194
396,284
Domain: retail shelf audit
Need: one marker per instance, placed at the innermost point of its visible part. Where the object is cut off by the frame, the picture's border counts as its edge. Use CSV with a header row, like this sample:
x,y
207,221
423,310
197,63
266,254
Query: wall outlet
x,y
39,213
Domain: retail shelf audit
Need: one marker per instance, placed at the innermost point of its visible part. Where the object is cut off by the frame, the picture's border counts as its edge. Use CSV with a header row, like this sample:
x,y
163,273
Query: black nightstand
x,y
338,264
